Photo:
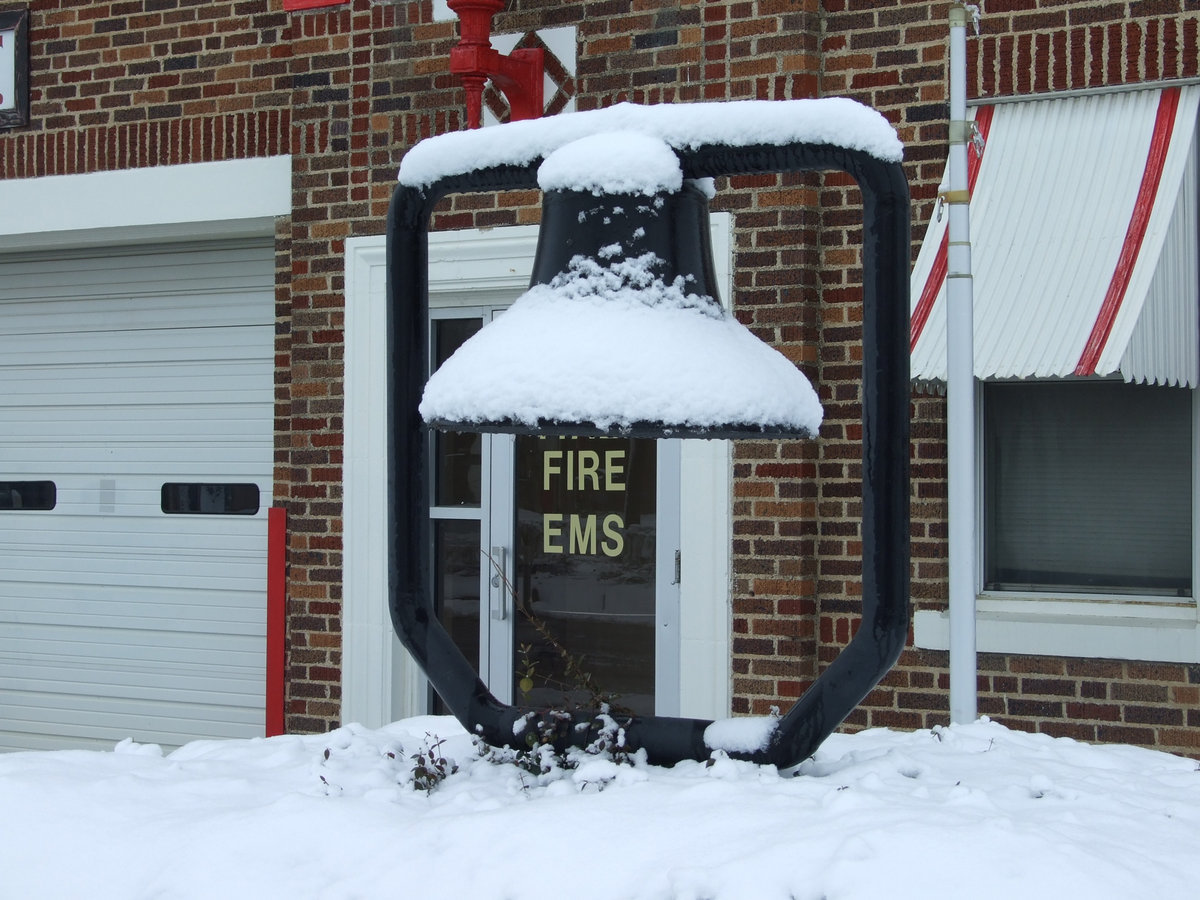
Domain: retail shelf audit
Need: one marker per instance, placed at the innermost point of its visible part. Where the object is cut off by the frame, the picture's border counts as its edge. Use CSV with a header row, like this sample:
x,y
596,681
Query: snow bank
x,y
971,811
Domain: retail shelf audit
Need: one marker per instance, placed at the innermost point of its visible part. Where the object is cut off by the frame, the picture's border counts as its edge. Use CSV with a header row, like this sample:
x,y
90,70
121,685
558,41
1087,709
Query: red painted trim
x,y
937,274
1160,142
276,617
311,4
933,284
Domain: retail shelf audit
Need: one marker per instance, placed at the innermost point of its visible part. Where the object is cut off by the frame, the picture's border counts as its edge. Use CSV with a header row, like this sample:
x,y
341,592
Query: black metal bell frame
x,y
885,494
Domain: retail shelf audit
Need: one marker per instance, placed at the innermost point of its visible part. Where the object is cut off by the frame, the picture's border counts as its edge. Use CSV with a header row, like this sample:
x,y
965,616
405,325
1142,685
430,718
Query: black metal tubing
x,y
885,517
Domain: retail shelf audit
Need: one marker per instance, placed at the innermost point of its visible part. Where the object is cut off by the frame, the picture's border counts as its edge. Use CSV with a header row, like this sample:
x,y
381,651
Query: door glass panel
x,y
584,576
456,581
457,464
457,457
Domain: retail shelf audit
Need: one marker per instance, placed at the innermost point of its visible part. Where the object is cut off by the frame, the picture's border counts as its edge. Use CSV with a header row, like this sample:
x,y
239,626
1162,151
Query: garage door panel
x,y
229,685
106,606
67,468
124,372
149,607
133,348
204,538
145,719
221,426
109,720
187,281
220,571
134,505
128,395
123,647
114,719
33,315
80,422
29,700
63,384
136,316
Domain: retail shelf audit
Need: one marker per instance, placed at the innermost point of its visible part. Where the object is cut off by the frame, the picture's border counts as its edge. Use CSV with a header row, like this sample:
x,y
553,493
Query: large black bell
x,y
674,227
622,332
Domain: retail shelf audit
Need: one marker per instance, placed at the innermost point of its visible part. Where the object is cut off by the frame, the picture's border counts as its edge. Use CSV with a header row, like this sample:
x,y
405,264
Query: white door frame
x,y
380,681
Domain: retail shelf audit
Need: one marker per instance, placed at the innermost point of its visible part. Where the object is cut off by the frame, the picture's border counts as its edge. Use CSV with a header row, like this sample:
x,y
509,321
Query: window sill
x,y
1125,628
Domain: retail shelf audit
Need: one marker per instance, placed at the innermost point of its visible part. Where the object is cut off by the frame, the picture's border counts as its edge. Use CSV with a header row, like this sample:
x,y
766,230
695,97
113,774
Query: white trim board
x,y
1117,634
232,198
380,682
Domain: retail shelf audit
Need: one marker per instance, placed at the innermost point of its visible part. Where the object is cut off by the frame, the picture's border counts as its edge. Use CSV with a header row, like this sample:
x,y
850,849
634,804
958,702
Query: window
x,y
1086,511
28,495
210,499
1087,488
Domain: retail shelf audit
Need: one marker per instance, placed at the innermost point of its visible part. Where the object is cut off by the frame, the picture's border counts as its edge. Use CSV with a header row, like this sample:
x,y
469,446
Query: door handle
x,y
499,591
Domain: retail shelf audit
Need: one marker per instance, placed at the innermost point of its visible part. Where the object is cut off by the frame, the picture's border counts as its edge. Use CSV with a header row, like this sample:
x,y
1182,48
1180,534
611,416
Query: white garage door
x,y
136,392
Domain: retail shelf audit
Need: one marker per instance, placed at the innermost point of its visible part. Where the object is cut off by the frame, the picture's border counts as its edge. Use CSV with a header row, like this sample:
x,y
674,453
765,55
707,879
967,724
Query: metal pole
x,y
960,389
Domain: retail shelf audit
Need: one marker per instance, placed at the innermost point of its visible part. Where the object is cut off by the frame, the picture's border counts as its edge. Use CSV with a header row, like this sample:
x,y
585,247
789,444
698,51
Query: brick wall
x,y
347,89
121,85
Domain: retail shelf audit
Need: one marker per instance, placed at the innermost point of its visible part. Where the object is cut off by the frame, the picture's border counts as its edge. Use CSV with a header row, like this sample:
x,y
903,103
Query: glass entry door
x,y
555,559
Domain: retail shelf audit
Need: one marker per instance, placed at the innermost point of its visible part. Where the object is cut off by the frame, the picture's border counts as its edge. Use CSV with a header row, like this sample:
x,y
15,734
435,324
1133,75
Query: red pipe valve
x,y
519,75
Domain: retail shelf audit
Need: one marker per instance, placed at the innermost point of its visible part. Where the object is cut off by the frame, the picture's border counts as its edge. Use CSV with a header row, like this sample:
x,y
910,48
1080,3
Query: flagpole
x,y
960,388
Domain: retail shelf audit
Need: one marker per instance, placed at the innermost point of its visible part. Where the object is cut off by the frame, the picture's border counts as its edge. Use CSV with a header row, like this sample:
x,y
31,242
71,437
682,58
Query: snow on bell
x,y
622,330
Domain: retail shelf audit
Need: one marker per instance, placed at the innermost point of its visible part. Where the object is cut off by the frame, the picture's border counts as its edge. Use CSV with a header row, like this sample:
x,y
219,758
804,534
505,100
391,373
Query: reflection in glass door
x,y
585,572
456,511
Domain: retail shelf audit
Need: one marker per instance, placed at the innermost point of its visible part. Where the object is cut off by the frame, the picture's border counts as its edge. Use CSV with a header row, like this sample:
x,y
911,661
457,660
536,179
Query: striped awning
x,y
1083,242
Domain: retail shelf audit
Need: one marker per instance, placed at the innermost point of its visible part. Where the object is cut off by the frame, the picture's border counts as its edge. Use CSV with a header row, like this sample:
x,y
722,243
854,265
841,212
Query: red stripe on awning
x,y
1160,142
937,273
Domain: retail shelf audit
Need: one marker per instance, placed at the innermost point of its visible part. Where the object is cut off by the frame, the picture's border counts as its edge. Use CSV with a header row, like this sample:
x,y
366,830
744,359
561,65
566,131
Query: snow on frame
x,y
831,120
612,162
973,811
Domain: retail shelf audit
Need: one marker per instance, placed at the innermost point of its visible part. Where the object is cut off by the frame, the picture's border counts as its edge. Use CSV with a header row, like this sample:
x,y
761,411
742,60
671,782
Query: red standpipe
x,y
519,75
276,618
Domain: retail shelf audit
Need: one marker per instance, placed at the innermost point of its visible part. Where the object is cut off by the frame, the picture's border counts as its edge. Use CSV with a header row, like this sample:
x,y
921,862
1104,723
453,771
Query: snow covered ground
x,y
972,811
